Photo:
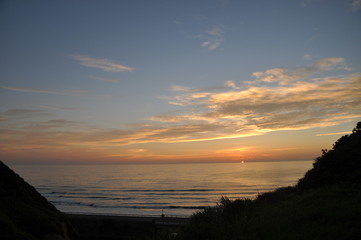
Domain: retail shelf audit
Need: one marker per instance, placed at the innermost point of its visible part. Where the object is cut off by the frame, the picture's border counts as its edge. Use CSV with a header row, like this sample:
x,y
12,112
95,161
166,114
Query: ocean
x,y
153,189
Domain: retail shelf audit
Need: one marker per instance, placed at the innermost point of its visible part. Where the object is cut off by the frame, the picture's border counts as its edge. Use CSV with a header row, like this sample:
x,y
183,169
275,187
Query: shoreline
x,y
127,217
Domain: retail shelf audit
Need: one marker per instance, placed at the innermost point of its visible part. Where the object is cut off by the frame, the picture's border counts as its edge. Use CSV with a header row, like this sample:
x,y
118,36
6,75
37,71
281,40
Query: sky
x,y
139,81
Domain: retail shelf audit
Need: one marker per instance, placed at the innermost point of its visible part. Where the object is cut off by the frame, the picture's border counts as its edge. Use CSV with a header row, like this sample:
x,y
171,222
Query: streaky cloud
x,y
45,91
178,88
56,107
50,124
105,79
330,134
12,114
100,63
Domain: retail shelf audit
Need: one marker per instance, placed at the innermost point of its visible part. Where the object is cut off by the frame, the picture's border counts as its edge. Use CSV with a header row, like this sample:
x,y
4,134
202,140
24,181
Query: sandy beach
x,y
124,227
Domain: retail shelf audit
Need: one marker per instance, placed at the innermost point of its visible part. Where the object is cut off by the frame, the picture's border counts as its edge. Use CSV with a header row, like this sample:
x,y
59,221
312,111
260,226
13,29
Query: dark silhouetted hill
x,y
341,164
325,204
25,214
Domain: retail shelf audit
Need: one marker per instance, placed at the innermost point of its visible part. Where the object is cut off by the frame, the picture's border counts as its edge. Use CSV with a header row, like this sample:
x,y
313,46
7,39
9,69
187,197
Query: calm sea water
x,y
175,189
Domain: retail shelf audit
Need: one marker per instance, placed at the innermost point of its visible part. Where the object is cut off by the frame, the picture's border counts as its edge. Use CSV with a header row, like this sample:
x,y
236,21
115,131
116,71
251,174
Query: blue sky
x,y
128,81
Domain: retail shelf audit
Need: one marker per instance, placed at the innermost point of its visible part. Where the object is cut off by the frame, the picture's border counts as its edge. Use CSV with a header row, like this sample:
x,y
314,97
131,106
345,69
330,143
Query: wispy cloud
x,y
330,134
232,84
45,91
307,56
100,63
356,5
105,79
51,124
12,114
177,88
284,75
213,37
57,107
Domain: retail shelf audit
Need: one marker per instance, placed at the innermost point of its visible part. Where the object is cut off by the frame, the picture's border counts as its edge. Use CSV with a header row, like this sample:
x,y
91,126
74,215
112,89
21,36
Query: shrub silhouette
x,y
340,164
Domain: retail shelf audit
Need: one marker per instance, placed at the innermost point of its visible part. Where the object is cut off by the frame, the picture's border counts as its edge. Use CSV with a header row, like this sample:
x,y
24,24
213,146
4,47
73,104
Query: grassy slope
x,y
325,204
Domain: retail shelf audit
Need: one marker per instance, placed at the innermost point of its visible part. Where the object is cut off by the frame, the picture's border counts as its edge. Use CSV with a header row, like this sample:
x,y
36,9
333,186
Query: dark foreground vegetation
x,y
325,204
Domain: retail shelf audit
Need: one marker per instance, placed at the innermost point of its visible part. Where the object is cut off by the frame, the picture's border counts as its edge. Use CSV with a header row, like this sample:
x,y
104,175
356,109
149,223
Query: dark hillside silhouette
x,y
340,164
25,214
